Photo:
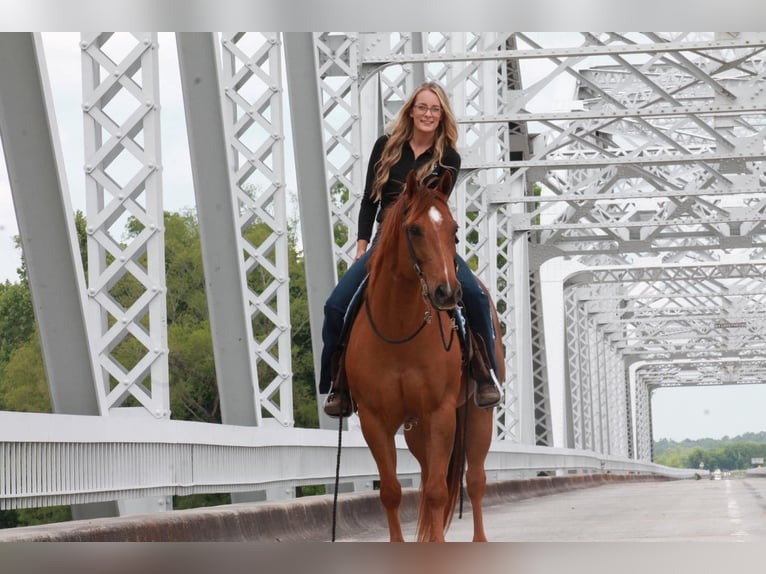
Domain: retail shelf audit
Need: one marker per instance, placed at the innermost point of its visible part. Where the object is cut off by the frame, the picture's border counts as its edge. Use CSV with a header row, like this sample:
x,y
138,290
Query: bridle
x,y
427,315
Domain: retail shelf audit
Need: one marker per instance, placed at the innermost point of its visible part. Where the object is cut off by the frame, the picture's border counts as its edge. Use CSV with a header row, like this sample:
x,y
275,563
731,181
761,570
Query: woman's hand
x,y
361,248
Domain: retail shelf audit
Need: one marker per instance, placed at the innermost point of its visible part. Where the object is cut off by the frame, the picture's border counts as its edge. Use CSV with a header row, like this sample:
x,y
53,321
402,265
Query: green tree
x,y
23,383
727,453
17,321
304,391
193,385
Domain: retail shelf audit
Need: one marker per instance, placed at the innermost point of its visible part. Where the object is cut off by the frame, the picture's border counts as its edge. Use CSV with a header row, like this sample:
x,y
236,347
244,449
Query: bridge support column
x,y
46,223
313,196
46,226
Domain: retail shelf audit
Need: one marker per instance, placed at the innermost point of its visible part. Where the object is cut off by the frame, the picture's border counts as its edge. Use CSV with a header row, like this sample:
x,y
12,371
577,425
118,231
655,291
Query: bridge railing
x,y
49,460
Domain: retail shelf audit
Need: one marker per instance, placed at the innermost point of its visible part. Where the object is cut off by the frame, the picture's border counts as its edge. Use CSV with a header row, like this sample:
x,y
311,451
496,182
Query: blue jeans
x,y
475,302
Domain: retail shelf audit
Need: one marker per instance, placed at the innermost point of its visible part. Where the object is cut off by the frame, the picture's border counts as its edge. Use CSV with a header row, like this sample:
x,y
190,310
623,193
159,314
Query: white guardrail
x,y
49,460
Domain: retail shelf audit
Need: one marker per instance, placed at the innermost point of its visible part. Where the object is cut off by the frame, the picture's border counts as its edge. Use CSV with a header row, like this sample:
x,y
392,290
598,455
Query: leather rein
x,y
427,315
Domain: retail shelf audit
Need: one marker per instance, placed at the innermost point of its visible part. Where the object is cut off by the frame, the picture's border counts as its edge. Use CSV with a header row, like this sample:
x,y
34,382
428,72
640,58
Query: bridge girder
x,y
656,155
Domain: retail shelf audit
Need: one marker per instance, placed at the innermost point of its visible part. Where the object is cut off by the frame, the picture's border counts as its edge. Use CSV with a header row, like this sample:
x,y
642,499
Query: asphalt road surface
x,y
729,510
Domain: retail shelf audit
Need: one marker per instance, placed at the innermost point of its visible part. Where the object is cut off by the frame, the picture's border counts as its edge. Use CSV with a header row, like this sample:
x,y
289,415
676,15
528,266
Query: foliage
x,y
200,500
193,385
726,453
305,408
23,384
17,321
34,516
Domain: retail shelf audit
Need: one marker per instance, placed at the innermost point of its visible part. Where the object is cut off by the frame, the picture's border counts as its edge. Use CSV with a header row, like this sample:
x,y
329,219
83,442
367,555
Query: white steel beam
x,y
224,275
126,271
46,223
311,173
253,116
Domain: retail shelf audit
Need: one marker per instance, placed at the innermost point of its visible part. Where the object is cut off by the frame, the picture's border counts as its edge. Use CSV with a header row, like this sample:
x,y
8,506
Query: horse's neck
x,y
396,290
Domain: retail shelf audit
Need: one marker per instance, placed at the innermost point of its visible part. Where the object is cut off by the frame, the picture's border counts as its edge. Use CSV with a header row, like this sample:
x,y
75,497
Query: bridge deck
x,y
672,511
595,508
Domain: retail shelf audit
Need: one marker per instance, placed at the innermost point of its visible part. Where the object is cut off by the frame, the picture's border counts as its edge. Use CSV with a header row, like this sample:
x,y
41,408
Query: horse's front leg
x,y
383,449
439,451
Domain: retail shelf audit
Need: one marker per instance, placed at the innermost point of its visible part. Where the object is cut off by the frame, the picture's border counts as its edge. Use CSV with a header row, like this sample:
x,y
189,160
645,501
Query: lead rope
x,y
337,480
467,344
462,454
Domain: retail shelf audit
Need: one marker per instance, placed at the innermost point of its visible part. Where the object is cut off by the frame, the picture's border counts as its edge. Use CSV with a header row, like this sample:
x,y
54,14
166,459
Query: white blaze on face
x,y
436,218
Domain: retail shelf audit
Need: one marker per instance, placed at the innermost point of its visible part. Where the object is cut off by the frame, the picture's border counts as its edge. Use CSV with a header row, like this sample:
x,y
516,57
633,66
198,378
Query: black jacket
x,y
395,184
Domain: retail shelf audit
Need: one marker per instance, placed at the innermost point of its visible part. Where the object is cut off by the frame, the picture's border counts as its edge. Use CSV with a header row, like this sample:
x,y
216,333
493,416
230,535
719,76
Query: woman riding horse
x,y
423,139
404,370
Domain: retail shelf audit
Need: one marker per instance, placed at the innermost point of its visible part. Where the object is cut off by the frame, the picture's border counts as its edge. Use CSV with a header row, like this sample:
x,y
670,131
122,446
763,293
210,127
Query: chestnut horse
x,y
402,368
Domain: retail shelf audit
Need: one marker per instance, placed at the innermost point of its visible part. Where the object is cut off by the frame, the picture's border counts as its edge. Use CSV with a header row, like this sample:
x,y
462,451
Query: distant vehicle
x,y
716,474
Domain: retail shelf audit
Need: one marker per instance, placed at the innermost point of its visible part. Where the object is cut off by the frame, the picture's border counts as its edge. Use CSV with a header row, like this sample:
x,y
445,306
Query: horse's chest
x,y
410,372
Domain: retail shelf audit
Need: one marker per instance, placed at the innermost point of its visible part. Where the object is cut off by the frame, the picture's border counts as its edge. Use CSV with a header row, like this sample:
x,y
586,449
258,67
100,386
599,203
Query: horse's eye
x,y
415,231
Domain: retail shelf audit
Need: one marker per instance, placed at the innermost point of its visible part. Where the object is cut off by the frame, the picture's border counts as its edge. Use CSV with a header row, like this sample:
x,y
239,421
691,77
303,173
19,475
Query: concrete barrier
x,y
303,519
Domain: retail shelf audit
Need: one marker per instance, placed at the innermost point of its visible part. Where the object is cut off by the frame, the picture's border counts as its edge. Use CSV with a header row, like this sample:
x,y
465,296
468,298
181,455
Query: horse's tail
x,y
454,481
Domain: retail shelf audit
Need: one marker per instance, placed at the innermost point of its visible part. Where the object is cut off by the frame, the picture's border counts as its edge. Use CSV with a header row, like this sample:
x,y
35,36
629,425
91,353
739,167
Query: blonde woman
x,y
423,138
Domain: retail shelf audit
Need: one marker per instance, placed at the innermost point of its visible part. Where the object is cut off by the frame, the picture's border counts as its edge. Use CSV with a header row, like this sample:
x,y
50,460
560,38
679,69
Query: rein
x,y
426,316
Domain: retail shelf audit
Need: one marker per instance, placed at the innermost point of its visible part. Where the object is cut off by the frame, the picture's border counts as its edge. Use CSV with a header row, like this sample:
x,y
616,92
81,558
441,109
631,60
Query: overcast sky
x,y
678,413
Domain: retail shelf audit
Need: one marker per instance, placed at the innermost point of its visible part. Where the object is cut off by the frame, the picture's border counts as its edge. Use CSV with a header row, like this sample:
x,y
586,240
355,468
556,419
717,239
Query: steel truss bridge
x,y
611,195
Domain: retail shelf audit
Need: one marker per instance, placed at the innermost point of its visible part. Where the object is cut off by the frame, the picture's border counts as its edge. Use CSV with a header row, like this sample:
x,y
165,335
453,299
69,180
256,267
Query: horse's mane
x,y
407,208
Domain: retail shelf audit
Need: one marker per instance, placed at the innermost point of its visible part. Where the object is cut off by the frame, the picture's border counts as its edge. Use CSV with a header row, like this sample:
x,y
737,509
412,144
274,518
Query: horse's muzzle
x,y
445,297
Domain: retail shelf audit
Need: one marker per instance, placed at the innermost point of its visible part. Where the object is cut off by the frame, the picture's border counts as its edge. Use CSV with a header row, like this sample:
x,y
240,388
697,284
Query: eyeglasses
x,y
423,109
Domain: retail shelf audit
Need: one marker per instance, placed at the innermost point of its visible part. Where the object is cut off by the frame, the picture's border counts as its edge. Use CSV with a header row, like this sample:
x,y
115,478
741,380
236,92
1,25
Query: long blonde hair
x,y
401,130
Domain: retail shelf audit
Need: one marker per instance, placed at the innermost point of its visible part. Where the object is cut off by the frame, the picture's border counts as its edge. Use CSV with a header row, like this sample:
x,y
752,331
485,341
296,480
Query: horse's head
x,y
431,236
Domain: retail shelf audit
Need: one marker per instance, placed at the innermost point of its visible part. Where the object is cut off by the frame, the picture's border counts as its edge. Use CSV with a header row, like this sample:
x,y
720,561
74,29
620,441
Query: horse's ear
x,y
412,184
445,183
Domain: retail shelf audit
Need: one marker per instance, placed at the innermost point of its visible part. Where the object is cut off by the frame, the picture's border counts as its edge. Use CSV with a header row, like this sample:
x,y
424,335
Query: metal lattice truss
x,y
126,271
675,313
596,385
661,155
654,160
658,152
252,86
394,64
644,440
672,325
337,60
